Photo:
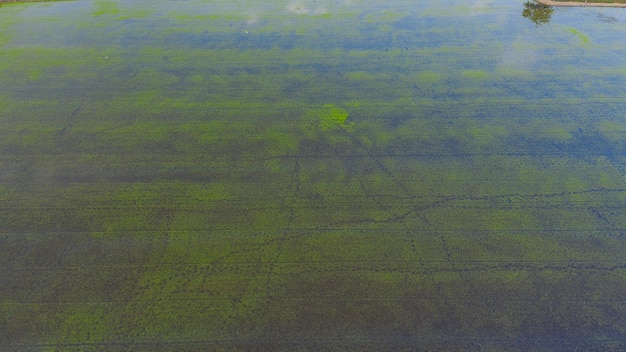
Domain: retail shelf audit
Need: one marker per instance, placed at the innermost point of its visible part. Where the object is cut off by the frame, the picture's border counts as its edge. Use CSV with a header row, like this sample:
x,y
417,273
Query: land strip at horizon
x,y
581,3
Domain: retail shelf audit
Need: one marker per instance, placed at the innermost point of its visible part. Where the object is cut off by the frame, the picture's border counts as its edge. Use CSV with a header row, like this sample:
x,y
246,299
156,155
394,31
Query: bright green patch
x,y
330,117
583,38
106,8
475,74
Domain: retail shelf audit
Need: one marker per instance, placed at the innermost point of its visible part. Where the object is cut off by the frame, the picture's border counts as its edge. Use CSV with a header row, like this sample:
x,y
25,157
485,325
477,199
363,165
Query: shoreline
x,y
580,4
19,1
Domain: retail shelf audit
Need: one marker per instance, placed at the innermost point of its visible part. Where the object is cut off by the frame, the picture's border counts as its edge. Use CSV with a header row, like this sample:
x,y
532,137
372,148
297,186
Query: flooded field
x,y
315,175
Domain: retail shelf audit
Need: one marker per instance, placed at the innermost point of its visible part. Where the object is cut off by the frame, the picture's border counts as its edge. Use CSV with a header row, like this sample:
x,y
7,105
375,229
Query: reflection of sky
x,y
521,58
301,8
497,23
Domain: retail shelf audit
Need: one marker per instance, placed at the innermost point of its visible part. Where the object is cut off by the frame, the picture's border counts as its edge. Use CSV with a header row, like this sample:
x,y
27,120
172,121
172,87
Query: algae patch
x,y
475,74
332,117
583,38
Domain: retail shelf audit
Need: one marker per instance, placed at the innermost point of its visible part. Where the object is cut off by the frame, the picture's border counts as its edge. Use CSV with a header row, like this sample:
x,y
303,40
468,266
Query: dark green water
x,y
323,175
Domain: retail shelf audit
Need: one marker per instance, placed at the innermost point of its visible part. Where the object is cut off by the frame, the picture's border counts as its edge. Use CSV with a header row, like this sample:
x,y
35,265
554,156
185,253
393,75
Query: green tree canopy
x,y
538,13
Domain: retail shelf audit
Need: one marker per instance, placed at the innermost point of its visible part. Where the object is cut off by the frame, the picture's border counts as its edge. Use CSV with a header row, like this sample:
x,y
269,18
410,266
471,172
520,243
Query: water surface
x,y
314,175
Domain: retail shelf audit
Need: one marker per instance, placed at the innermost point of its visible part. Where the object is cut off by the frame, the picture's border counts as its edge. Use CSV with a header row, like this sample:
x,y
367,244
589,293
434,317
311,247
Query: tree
x,y
538,13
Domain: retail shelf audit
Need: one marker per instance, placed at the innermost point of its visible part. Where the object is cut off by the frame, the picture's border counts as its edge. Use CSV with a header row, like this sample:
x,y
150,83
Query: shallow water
x,y
315,175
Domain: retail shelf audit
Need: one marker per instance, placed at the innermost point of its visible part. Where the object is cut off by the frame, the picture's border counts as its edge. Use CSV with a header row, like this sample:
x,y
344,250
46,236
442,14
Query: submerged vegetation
x,y
331,117
256,181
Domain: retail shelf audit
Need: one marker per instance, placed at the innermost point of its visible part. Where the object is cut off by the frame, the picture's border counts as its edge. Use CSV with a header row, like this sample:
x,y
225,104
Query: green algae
x,y
106,8
583,38
331,117
475,74
316,186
